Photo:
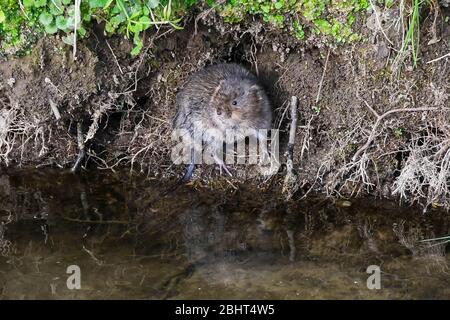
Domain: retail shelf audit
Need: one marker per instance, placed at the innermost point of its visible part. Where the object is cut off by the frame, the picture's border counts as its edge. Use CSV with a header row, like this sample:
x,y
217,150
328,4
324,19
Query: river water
x,y
135,238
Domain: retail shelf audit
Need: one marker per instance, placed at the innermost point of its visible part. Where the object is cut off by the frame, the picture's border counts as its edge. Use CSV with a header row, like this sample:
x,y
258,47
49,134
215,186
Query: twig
x,y
91,254
292,131
323,76
115,58
55,110
47,80
97,221
291,178
384,115
77,16
205,13
290,234
379,22
22,8
141,60
81,151
437,59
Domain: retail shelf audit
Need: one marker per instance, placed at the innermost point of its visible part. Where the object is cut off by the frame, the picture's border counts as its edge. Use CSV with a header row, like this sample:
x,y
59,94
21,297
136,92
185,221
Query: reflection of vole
x,y
219,98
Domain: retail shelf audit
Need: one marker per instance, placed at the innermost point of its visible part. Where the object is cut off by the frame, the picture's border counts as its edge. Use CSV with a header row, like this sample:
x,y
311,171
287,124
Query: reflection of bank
x,y
5,244
203,232
227,233
5,201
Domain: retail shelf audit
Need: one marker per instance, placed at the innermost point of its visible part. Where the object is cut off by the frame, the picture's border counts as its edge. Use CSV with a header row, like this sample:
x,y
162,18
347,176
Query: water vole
x,y
218,98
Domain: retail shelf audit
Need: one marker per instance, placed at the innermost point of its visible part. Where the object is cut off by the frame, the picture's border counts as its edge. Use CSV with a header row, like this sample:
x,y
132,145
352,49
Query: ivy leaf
x,y
138,45
265,8
51,28
28,3
40,3
56,7
45,18
118,19
87,17
61,23
82,32
96,3
136,50
2,16
323,25
135,28
152,4
145,22
107,4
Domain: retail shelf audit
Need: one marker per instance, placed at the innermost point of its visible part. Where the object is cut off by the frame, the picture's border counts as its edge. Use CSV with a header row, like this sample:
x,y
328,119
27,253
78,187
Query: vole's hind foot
x,y
188,174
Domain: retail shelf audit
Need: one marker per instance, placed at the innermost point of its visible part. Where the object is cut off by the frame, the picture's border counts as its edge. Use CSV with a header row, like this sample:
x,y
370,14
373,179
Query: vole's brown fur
x,y
219,98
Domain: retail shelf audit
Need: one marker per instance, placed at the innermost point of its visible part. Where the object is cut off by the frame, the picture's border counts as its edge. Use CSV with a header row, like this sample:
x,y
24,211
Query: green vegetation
x,y
322,17
21,21
399,132
412,38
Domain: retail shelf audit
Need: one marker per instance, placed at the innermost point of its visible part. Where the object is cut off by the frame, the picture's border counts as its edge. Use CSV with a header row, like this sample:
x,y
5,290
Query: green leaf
x,y
56,8
109,27
97,3
66,2
2,16
82,32
145,22
40,3
135,28
51,29
28,3
61,23
278,5
116,20
107,4
323,25
138,45
45,18
265,8
152,4
136,50
87,17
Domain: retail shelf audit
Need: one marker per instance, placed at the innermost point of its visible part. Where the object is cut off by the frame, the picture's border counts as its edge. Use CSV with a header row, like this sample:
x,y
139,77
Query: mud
x,y
126,105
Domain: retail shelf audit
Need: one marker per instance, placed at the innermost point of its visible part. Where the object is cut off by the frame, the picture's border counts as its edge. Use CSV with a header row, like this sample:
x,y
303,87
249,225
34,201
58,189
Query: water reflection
x,y
136,238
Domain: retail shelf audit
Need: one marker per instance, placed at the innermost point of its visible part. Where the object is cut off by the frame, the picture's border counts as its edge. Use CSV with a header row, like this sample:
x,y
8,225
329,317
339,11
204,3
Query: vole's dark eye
x,y
234,103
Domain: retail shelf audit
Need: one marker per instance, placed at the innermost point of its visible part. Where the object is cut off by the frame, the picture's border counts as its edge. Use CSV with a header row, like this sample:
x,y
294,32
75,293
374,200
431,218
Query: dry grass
x,y
427,168
20,130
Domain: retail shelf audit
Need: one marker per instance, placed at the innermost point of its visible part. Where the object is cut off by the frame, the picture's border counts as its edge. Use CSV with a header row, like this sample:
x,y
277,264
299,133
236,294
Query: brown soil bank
x,y
368,121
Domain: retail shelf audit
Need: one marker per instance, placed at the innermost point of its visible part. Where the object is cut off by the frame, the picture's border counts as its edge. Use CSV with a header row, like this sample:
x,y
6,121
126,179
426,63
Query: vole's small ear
x,y
254,91
254,88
